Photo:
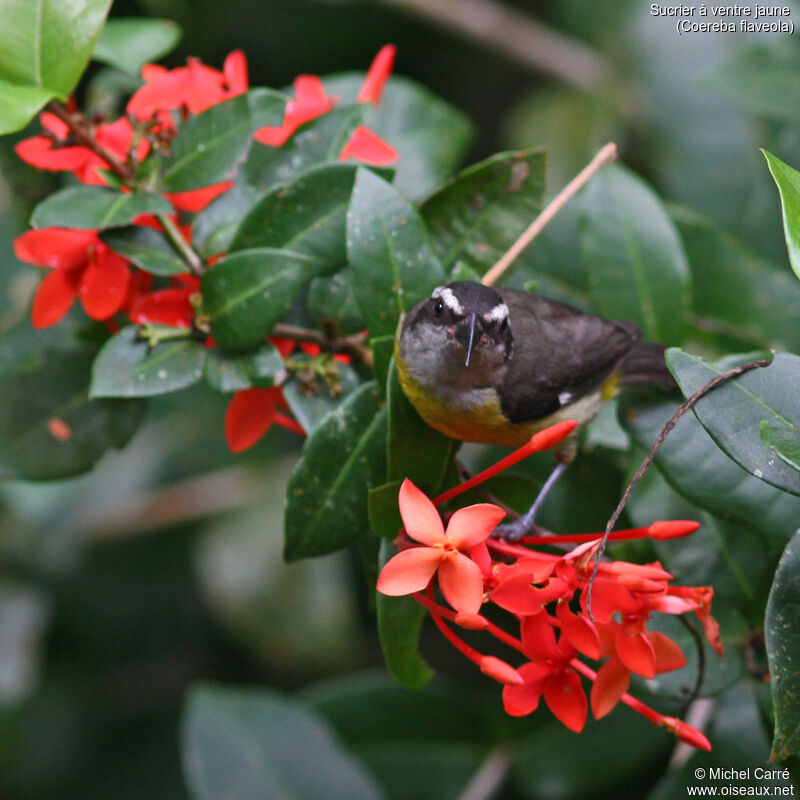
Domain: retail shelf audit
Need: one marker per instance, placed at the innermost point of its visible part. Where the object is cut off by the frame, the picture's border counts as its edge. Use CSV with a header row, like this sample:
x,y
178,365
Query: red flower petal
x,y
369,148
461,583
274,136
636,652
579,630
608,597
377,75
474,524
565,697
197,199
517,595
539,638
235,71
500,671
612,681
60,248
54,297
104,284
521,700
420,517
668,655
409,571
249,416
165,307
40,152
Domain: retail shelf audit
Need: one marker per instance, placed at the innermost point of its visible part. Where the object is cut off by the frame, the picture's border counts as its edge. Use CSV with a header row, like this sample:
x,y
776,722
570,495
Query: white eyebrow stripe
x,y
449,299
498,313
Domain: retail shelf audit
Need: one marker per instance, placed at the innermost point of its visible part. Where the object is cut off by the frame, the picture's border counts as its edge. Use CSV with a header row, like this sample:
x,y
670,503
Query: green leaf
x,y
384,511
331,301
210,144
128,367
633,256
737,293
476,217
733,412
399,624
382,350
129,44
430,135
46,44
696,468
326,500
263,368
393,263
246,294
95,207
785,441
19,104
246,744
414,450
306,216
149,249
782,631
310,407
215,226
46,384
788,182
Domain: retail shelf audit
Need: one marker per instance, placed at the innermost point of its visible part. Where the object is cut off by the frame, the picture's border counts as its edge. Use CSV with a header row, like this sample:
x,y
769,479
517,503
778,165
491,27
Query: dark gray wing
x,y
560,354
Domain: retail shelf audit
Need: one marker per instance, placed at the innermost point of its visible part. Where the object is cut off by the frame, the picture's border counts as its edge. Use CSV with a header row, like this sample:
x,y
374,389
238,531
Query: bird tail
x,y
645,364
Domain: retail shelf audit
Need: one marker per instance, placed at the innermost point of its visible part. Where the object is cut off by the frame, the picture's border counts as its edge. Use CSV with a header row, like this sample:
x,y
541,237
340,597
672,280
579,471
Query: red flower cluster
x,y
547,596
82,266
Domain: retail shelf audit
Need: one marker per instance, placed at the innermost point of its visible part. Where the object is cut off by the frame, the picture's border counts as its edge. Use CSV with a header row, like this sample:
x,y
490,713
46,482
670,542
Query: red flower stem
x,y
579,538
539,441
76,123
290,424
509,549
472,654
505,638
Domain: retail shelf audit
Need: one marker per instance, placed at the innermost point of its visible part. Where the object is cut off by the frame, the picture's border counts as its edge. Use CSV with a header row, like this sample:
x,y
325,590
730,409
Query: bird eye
x,y
438,309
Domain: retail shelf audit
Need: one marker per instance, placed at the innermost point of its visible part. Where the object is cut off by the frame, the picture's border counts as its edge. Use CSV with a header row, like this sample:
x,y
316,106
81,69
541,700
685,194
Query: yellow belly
x,y
477,416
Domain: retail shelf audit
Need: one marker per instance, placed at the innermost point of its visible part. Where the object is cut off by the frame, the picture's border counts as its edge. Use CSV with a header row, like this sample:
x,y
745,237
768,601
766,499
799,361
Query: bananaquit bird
x,y
497,365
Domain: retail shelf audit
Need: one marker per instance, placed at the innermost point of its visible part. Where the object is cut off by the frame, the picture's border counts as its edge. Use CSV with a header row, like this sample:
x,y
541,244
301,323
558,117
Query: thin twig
x,y
489,777
687,405
78,127
605,155
348,345
515,35
179,242
701,662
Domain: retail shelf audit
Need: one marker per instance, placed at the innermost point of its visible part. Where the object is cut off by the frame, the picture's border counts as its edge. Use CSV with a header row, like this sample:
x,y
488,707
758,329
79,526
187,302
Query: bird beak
x,y
471,321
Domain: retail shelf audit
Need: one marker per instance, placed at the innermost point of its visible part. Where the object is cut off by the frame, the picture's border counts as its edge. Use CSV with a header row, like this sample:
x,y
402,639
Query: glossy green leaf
x,y
209,145
311,404
414,450
788,182
149,249
215,226
430,135
19,104
633,256
226,372
382,351
306,216
129,44
476,217
384,511
393,263
736,293
782,631
733,412
784,440
95,207
246,744
46,44
246,294
128,367
45,384
331,302
326,500
696,468
399,623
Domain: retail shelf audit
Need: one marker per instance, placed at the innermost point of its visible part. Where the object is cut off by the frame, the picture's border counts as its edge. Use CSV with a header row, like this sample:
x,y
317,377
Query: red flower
x,y
192,88
378,74
252,413
52,150
460,577
197,199
311,102
82,266
366,146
